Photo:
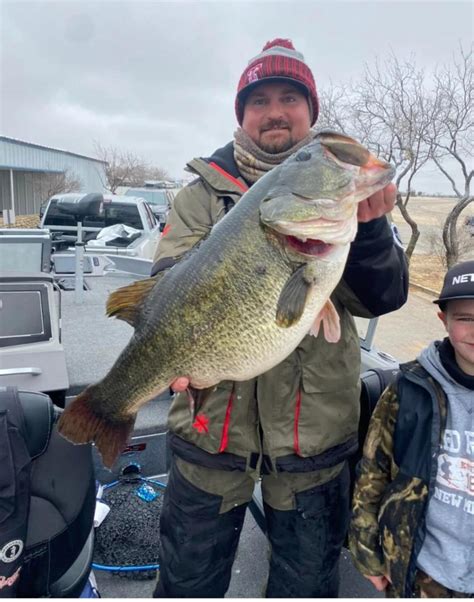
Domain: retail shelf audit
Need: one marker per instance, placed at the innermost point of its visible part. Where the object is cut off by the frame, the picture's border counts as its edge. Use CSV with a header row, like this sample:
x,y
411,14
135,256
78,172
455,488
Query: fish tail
x,y
80,424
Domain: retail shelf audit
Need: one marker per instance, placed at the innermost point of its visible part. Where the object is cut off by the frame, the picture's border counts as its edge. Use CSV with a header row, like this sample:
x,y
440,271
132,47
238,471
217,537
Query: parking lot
x,y
405,332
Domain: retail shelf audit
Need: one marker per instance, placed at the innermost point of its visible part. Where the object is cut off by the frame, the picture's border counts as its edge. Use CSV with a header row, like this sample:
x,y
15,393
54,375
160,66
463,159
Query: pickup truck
x,y
140,236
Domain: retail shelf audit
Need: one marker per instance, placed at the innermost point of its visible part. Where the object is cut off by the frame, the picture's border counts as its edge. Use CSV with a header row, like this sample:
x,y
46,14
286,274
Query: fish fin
x,y
197,397
79,424
331,324
344,148
125,303
293,298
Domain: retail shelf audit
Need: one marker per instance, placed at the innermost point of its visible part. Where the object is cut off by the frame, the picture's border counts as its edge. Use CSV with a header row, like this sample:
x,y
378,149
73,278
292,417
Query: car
x,y
159,184
159,199
133,229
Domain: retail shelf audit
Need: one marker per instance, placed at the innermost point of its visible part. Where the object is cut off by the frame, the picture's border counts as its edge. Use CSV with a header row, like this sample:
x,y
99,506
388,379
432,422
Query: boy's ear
x,y
442,316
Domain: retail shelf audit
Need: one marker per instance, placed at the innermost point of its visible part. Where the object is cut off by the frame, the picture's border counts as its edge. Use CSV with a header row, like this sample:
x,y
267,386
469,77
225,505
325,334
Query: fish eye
x,y
303,156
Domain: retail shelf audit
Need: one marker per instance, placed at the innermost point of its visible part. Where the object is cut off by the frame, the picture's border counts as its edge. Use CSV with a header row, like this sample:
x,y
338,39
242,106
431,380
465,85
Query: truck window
x,y
114,213
122,214
150,217
54,217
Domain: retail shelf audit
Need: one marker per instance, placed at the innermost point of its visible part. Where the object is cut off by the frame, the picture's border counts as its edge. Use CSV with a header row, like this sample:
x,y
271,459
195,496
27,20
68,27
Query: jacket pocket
x,y
400,516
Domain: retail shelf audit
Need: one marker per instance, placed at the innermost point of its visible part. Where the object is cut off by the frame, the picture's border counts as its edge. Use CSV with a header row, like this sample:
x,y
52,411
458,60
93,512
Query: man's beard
x,y
276,146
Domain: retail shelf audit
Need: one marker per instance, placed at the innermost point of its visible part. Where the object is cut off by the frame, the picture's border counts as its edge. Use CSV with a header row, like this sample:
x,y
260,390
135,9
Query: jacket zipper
x,y
438,425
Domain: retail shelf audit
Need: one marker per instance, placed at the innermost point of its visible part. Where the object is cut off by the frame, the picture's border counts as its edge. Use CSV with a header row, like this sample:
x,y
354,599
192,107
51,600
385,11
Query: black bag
x,y
50,509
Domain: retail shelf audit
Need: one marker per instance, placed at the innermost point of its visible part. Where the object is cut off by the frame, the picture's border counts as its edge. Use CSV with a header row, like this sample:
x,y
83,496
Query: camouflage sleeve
x,y
375,471
195,210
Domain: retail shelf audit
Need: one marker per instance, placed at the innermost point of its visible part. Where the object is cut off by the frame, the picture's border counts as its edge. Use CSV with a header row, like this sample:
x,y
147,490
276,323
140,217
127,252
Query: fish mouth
x,y
310,246
317,237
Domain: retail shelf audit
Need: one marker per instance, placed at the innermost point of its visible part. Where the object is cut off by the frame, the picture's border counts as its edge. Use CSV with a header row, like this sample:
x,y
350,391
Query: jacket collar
x,y
415,372
220,171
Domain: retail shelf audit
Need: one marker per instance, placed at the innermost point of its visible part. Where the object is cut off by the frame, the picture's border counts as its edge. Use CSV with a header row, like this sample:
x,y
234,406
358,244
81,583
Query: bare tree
x,y
438,248
124,168
334,111
452,137
391,112
46,185
156,173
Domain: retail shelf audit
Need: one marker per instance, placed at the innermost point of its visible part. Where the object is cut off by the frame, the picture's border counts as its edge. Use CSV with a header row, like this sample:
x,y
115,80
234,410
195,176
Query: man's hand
x,y
378,204
380,583
180,384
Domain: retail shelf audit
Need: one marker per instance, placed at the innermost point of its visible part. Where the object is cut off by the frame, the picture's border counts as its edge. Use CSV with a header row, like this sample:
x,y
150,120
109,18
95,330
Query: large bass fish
x,y
244,298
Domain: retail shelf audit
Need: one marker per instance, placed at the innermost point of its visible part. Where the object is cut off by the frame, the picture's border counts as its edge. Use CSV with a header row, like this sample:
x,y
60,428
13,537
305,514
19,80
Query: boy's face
x,y
458,320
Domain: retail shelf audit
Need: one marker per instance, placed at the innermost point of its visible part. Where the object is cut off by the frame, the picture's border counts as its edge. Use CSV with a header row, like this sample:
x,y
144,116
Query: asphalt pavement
x,y
405,332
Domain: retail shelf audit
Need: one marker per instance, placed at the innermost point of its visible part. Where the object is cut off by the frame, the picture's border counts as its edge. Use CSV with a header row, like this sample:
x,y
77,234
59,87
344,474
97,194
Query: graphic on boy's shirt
x,y
456,470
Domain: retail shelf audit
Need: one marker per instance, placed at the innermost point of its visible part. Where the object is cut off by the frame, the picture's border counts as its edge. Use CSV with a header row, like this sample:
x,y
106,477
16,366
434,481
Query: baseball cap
x,y
458,283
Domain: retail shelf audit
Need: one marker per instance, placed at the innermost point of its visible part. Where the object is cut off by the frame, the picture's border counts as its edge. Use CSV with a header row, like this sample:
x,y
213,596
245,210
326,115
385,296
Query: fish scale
x,y
254,338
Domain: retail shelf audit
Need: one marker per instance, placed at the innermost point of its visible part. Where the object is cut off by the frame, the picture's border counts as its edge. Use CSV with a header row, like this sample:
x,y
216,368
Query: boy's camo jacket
x,y
396,477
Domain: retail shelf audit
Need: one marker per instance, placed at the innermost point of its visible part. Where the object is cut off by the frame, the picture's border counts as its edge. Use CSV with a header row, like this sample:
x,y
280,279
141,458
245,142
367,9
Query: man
x,y
295,425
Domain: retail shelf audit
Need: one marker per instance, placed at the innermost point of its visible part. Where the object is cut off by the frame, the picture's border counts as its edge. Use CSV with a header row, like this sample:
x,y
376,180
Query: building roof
x,y
59,150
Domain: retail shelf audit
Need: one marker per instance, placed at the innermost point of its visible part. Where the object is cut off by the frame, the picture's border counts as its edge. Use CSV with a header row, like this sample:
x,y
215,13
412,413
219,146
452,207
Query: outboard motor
x,y
47,501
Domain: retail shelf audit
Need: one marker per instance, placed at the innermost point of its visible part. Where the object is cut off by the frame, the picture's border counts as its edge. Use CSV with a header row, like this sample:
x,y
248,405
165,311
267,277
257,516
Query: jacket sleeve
x,y
374,472
375,280
190,220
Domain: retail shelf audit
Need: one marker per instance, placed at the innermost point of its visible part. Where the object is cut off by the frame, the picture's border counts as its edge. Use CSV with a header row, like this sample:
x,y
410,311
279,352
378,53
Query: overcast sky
x,y
159,78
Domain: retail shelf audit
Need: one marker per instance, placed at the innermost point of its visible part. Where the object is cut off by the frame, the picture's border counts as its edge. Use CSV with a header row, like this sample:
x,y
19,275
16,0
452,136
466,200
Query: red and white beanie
x,y
278,61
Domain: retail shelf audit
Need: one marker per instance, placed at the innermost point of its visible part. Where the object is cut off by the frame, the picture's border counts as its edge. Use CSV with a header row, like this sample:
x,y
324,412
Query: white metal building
x,y
29,173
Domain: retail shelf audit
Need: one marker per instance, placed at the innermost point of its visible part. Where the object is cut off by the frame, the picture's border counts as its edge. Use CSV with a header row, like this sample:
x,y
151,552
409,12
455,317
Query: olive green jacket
x,y
307,405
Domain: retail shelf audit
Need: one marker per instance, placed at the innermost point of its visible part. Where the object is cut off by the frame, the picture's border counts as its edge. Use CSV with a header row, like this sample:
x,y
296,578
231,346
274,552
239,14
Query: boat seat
x,y
58,547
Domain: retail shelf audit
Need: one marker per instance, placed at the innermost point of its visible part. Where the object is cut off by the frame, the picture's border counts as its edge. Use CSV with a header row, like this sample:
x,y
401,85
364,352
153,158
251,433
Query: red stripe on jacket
x,y
228,176
296,440
225,428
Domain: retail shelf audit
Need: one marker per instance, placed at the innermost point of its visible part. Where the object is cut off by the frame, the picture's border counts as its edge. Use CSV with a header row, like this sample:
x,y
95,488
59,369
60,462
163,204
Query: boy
x,y
412,530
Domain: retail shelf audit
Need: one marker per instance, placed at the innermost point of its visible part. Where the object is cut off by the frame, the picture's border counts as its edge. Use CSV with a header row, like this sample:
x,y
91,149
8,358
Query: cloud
x,y
159,78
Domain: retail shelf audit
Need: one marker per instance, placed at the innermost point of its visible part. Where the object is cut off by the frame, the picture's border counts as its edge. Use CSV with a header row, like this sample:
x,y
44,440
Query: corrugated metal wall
x,y
33,167
4,190
29,189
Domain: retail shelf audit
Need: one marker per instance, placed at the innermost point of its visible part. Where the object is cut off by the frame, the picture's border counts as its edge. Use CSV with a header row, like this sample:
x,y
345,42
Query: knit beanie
x,y
278,61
